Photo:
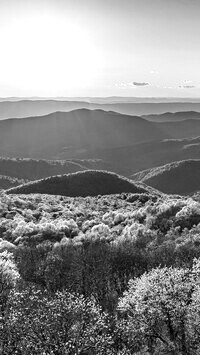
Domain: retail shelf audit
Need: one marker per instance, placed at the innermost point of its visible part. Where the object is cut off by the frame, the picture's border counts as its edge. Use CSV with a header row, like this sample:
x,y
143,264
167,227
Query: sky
x,y
139,48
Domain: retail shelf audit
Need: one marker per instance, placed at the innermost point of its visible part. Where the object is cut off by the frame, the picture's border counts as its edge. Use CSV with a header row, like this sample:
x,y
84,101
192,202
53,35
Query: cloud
x,y
187,86
124,85
137,83
131,85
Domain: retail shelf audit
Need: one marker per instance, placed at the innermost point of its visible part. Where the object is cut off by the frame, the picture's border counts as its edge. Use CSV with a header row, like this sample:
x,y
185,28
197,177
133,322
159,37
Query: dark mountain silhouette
x,y
130,106
28,108
180,177
32,169
87,183
131,159
180,129
72,133
140,109
170,116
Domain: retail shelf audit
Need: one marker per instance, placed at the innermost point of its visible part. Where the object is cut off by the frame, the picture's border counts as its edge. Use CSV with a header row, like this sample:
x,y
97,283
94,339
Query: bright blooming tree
x,y
8,277
63,323
162,311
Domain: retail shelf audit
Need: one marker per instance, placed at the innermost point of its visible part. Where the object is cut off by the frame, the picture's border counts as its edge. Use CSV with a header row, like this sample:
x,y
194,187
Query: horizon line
x,y
101,97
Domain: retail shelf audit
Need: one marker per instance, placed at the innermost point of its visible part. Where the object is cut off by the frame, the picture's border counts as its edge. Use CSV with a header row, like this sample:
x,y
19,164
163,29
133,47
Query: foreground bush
x,y
40,323
8,278
161,312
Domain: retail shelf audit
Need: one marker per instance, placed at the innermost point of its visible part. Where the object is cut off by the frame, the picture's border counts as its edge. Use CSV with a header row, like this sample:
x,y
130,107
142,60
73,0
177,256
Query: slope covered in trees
x,y
86,183
180,177
125,160
7,182
32,169
132,159
112,275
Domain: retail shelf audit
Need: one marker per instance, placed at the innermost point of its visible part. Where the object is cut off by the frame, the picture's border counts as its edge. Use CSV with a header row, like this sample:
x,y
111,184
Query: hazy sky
x,y
100,48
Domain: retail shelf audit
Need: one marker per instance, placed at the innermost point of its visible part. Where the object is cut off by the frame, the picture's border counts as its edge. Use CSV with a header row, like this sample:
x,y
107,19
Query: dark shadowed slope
x,y
180,129
129,160
6,182
32,169
181,177
36,107
88,183
73,132
172,117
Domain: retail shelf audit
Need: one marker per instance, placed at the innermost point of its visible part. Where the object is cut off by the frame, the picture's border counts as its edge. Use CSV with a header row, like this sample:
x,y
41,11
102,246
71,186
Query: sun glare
x,y
47,52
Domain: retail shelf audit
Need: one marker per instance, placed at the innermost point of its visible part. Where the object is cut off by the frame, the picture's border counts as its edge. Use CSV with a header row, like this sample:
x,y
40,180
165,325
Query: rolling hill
x,y
123,160
173,116
72,133
131,159
32,169
87,183
180,177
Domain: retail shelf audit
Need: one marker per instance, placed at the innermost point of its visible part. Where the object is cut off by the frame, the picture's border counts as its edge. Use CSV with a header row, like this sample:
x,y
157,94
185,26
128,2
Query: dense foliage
x,y
179,177
17,171
116,274
7,182
82,183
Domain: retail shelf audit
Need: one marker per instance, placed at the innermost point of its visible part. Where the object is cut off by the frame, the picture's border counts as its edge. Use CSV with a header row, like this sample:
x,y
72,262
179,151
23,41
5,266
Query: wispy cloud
x,y
132,84
124,85
138,83
187,86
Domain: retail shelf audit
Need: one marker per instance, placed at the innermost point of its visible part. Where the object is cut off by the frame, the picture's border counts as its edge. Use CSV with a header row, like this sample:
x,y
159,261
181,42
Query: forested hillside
x,y
85,183
109,275
33,169
180,177
7,182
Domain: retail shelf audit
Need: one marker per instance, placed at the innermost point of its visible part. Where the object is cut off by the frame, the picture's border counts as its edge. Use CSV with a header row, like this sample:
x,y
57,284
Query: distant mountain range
x,y
87,183
81,133
180,177
106,99
15,108
75,132
95,139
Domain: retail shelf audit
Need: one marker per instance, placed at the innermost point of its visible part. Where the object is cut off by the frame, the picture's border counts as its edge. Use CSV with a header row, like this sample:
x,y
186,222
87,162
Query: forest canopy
x,y
122,270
